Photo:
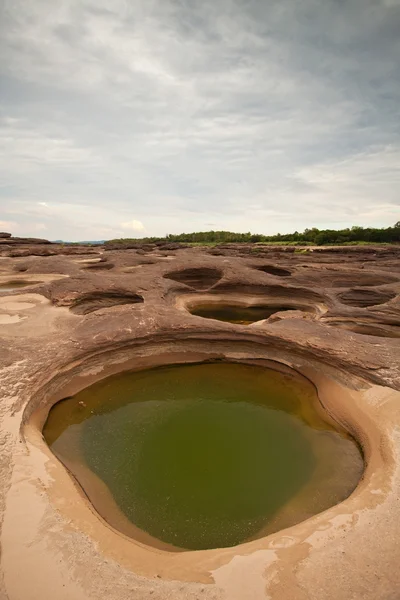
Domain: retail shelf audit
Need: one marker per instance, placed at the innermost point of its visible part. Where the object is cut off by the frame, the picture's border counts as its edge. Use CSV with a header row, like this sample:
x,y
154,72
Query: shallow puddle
x,y
203,456
241,315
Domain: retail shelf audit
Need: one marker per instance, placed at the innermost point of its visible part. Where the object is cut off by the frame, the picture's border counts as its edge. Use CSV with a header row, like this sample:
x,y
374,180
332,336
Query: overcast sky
x,y
146,117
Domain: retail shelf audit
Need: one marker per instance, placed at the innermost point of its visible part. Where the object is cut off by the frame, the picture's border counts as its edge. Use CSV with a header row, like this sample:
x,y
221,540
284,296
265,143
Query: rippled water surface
x,y
203,456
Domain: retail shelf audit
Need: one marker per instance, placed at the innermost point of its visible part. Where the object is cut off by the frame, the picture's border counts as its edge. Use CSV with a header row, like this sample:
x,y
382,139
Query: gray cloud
x,y
249,115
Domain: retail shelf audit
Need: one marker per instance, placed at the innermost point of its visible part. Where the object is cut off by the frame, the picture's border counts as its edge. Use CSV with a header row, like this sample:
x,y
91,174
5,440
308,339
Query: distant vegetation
x,y
314,236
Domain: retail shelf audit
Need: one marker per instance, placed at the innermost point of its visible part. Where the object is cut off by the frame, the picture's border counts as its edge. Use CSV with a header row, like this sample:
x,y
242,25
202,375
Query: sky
x,y
132,118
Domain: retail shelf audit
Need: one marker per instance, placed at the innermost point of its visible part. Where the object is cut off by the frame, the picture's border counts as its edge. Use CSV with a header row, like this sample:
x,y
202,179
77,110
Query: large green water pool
x,y
203,456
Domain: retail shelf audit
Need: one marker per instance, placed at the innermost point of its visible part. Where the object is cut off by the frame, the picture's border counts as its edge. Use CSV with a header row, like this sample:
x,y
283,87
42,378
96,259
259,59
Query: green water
x,y
241,315
205,455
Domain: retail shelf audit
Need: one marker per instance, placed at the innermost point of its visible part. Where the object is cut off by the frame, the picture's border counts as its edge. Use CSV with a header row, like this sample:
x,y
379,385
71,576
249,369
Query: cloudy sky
x,y
146,117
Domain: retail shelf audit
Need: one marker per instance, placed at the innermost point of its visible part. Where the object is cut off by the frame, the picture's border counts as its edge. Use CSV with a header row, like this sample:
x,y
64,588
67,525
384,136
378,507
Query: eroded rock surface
x,y
199,278
93,301
273,270
91,307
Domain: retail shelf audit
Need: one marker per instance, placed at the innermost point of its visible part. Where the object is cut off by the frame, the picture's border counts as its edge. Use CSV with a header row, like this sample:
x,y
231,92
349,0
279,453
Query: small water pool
x,y
241,315
205,455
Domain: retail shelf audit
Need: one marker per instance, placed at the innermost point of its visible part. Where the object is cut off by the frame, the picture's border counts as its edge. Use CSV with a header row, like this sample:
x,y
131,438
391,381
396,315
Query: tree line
x,y
319,237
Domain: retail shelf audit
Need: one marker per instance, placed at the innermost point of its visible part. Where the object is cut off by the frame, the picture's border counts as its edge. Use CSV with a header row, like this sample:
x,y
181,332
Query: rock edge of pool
x,y
136,319
203,455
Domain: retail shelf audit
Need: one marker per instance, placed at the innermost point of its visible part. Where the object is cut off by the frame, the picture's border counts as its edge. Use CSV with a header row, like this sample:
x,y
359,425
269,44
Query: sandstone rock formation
x,y
87,311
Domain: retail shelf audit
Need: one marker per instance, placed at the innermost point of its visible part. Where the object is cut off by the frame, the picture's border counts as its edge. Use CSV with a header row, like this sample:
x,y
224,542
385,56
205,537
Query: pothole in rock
x,y
199,278
239,314
244,304
273,270
332,278
376,330
93,301
88,261
11,286
100,265
139,265
362,280
363,298
205,455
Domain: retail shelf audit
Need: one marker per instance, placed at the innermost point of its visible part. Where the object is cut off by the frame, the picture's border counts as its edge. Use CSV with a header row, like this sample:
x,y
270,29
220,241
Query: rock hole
x,y
272,270
200,278
364,298
93,301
